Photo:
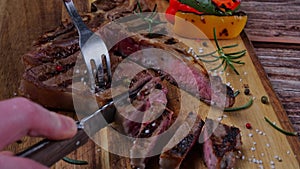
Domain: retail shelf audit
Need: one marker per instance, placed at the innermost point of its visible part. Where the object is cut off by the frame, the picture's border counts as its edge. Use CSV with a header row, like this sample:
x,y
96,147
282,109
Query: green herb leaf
x,y
236,93
75,162
149,19
206,6
227,58
247,105
280,129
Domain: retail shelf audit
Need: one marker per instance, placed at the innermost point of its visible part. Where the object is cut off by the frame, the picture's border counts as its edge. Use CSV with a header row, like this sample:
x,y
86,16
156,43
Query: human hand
x,y
20,117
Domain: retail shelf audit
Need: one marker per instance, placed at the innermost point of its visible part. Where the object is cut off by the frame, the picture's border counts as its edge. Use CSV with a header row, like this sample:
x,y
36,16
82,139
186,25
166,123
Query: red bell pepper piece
x,y
175,6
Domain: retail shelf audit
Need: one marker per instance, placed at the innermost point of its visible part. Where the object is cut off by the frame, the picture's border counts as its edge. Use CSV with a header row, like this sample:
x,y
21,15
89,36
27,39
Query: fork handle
x,y
76,18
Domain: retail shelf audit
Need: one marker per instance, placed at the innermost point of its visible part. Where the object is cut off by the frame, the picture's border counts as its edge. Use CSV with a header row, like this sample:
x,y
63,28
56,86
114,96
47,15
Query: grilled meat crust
x,y
221,145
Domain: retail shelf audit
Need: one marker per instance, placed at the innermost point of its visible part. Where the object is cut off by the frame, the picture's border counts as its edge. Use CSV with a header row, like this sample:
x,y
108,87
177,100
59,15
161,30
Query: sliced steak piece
x,y
173,61
221,144
147,142
177,148
148,105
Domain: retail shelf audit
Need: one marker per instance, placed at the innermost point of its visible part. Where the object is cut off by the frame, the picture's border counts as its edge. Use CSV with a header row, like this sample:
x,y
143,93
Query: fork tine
x,y
100,71
108,67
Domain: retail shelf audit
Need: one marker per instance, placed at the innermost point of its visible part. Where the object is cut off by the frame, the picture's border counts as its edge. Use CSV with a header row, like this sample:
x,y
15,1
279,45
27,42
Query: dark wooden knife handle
x,y
48,152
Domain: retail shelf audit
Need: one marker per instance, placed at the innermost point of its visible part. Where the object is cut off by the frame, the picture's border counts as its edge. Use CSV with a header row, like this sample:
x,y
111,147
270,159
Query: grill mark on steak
x,y
220,148
176,150
52,52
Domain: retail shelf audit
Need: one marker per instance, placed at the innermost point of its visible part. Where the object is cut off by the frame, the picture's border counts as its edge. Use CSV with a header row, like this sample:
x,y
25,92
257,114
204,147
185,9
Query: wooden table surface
x,y
273,28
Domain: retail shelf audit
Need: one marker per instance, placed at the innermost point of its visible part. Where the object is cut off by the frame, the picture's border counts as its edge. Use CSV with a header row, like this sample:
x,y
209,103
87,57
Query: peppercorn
x,y
264,100
59,68
247,91
248,126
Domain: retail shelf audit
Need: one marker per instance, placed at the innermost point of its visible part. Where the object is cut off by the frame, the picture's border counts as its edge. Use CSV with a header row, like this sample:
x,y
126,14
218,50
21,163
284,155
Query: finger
x,y
20,117
12,162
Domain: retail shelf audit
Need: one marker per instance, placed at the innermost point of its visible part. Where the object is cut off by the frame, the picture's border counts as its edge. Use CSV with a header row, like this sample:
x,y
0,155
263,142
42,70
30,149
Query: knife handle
x,y
48,152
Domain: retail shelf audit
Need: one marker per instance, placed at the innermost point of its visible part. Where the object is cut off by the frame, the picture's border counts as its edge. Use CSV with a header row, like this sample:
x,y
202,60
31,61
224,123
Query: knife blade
x,y
48,152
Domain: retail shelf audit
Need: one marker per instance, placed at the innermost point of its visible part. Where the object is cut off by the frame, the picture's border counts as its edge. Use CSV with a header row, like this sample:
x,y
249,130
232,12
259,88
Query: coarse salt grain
x,y
272,162
201,50
190,50
268,145
252,149
219,118
250,135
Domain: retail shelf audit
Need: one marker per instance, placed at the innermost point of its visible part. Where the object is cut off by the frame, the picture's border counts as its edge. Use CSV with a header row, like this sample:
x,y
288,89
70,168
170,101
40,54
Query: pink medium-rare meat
x,y
220,145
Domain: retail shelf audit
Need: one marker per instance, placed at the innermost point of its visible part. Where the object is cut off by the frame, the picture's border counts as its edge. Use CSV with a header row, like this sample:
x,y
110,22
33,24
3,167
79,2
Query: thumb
x,y
12,162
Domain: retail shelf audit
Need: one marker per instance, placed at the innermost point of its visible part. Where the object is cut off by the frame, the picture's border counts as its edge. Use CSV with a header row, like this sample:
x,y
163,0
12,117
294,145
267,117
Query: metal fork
x,y
93,49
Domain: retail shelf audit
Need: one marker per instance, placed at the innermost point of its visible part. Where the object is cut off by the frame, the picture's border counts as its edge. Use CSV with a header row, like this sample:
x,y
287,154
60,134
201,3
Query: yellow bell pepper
x,y
191,25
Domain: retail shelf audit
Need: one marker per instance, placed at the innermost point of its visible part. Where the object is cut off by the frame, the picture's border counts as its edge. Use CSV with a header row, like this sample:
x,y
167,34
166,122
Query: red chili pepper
x,y
175,6
229,4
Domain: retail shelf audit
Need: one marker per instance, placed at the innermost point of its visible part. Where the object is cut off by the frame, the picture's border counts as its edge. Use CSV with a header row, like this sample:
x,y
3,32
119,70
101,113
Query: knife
x,y
48,152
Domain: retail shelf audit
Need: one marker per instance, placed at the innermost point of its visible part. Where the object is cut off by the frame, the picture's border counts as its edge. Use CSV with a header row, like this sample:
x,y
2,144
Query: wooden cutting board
x,y
266,141
260,143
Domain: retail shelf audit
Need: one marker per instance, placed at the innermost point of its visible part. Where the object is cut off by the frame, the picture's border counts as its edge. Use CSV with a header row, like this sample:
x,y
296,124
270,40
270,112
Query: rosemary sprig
x,y
75,162
245,106
236,93
150,19
229,59
280,129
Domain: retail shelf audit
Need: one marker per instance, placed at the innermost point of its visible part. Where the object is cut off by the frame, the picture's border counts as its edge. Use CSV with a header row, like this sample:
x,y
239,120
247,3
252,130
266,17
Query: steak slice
x,y
147,106
220,147
177,148
189,75
148,142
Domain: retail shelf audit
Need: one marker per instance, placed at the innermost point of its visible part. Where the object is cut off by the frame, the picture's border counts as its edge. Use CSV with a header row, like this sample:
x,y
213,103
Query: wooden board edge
x,y
274,100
